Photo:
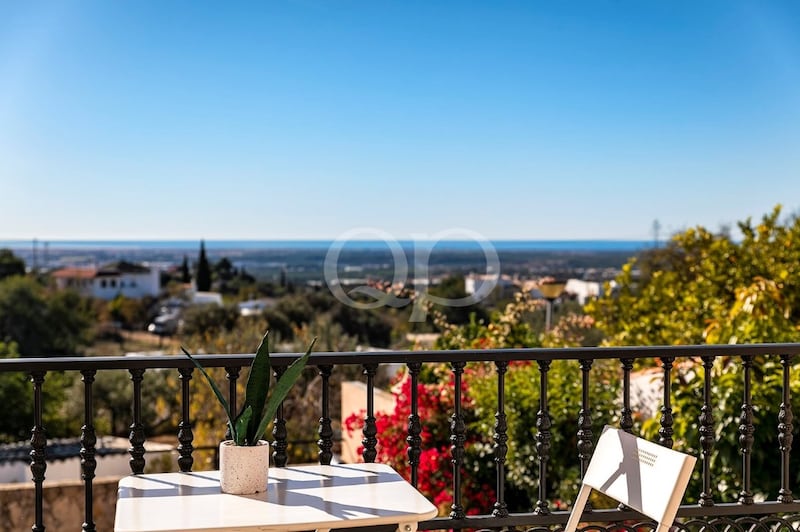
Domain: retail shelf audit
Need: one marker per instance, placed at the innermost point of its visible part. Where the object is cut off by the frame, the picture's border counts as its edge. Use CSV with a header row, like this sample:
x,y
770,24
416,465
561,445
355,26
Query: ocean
x,y
254,245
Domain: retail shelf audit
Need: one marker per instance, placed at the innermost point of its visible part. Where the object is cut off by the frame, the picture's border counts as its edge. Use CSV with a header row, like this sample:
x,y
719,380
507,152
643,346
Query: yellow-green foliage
x,y
712,288
709,288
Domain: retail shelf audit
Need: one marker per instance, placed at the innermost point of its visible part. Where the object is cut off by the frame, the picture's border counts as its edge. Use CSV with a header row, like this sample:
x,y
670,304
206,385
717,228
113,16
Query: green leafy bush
x,y
727,392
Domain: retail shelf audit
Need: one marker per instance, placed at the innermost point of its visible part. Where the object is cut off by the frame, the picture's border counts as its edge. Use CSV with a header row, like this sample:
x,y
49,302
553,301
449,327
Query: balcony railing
x,y
783,513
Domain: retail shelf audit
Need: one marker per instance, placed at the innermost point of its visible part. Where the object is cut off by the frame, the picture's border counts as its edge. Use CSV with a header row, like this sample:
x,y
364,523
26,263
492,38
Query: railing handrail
x,y
403,357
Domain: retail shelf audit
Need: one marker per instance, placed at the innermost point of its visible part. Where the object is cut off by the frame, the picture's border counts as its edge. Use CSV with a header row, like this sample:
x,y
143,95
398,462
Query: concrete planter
x,y
243,470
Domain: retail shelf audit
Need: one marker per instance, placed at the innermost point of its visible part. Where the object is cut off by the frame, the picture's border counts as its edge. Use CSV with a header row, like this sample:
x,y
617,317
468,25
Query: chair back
x,y
640,474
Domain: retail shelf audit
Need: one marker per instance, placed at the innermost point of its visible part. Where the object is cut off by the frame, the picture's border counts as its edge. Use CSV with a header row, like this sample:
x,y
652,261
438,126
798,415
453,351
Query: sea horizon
x,y
254,244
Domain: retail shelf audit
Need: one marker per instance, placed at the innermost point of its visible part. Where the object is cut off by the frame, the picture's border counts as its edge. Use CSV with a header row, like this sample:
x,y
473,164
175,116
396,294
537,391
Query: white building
x,y
474,282
118,278
583,290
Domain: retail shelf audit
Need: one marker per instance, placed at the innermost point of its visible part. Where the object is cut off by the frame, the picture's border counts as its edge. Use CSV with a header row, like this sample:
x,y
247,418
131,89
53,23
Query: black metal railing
x,y
747,513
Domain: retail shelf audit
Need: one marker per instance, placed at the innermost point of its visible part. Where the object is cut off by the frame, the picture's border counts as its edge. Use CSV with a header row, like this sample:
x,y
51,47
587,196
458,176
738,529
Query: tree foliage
x,y
43,323
727,392
454,288
708,288
186,275
209,320
10,264
131,313
203,277
16,396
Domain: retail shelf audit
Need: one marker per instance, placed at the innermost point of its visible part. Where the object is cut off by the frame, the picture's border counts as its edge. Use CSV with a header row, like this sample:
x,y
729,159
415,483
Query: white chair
x,y
640,474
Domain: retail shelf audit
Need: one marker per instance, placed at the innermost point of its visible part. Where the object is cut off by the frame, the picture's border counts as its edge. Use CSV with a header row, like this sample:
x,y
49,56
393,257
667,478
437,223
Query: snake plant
x,y
259,407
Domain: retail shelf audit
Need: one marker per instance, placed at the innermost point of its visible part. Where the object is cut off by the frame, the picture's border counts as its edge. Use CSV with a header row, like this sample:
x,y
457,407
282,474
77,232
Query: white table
x,y
311,497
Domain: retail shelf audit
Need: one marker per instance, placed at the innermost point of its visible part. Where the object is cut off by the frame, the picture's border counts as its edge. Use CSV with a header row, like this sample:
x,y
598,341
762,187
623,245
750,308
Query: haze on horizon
x,y
308,119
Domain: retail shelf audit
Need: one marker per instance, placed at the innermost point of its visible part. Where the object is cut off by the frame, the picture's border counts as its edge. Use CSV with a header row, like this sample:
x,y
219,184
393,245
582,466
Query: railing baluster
x,y
185,435
585,445
500,440
370,441
666,432
136,435
543,425
626,420
38,449
325,441
232,374
785,436
458,432
414,427
706,432
279,445
746,430
87,452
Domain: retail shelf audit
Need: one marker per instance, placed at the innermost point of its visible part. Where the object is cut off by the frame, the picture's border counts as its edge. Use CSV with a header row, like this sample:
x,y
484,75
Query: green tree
x,y
453,288
43,323
296,308
186,275
10,264
16,396
224,269
368,325
707,288
209,320
130,313
203,277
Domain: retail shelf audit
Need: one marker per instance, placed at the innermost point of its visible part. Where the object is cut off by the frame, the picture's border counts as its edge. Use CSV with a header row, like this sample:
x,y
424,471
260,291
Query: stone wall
x,y
63,505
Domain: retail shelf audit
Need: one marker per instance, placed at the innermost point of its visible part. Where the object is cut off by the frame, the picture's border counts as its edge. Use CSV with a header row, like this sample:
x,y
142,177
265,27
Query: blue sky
x,y
311,118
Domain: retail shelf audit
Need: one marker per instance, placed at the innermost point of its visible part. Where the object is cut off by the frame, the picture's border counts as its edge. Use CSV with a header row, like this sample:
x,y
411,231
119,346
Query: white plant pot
x,y
243,470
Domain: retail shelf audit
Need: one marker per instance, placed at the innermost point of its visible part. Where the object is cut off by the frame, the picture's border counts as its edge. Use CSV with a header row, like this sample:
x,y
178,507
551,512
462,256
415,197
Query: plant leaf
x,y
239,437
257,388
281,390
220,397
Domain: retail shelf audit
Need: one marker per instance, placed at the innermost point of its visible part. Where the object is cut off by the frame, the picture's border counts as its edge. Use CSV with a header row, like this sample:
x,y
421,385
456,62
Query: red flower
x,y
435,469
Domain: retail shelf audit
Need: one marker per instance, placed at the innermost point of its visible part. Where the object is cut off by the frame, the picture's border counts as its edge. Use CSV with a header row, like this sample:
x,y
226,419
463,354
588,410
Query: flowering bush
x,y
435,471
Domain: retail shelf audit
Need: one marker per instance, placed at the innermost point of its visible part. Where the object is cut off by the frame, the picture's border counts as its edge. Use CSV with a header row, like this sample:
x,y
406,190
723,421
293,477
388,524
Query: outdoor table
x,y
312,497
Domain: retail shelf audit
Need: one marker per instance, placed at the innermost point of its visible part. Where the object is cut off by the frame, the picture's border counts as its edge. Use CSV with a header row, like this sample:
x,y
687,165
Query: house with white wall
x,y
109,281
583,290
473,282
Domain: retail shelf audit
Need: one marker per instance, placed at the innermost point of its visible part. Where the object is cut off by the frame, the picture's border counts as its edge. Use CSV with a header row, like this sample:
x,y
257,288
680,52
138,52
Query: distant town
x,y
158,282
591,260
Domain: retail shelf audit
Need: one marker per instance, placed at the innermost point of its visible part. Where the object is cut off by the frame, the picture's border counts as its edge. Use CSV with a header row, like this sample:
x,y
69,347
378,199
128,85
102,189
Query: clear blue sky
x,y
309,118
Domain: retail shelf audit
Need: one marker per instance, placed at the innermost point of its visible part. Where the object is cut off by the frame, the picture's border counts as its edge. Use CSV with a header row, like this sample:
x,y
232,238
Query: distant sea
x,y
220,245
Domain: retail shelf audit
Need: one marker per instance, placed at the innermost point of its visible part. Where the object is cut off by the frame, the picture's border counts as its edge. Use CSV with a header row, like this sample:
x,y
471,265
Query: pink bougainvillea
x,y
435,470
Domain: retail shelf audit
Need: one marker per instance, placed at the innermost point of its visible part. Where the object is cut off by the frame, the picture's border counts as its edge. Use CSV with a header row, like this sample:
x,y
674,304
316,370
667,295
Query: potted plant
x,y
244,459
